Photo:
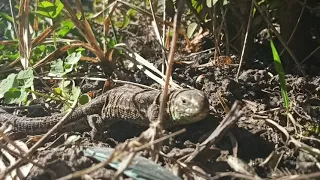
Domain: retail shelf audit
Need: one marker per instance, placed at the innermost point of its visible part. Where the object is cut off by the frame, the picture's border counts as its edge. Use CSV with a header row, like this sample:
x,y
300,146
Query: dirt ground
x,y
256,141
267,150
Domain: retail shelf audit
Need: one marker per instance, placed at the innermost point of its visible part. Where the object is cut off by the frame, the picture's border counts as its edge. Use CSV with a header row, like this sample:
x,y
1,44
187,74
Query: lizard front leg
x,y
98,124
95,122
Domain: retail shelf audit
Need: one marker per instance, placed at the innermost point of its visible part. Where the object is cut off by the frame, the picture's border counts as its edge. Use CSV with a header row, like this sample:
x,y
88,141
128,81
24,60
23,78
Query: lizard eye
x,y
184,101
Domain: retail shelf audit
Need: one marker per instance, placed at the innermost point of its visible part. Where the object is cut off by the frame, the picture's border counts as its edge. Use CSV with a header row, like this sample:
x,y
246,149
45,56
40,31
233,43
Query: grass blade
x,y
280,71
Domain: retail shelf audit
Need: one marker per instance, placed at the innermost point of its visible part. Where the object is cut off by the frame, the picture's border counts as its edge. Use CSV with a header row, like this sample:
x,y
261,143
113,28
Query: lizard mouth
x,y
193,114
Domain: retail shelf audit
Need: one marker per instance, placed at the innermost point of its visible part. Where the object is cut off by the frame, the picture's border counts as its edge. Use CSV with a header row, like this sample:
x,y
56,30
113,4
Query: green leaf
x,y
191,28
15,96
71,60
75,93
6,16
111,43
197,6
59,6
60,68
126,21
46,9
131,12
49,9
14,87
58,90
84,99
37,53
211,3
280,72
7,84
67,26
26,77
56,68
80,49
14,56
65,83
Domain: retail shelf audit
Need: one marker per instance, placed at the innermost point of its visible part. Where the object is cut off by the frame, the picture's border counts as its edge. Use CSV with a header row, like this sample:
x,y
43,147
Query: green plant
x,y
280,71
60,68
70,92
15,88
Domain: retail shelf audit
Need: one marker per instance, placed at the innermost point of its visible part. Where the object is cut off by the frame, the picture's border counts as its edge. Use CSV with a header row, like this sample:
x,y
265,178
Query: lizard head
x,y
188,106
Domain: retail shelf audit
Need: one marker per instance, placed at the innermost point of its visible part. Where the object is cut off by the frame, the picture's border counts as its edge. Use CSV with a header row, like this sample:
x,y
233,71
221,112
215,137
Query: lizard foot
x,y
94,122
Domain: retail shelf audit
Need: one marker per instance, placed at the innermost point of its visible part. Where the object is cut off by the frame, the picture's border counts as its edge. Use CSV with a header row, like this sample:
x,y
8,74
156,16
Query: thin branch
x,y
245,39
295,27
176,25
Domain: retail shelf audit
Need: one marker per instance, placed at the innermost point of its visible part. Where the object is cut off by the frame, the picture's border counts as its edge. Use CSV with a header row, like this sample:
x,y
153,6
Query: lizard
x,y
127,103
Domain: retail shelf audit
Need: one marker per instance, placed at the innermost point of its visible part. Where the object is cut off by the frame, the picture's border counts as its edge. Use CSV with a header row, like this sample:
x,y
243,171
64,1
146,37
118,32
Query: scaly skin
x,y
126,103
